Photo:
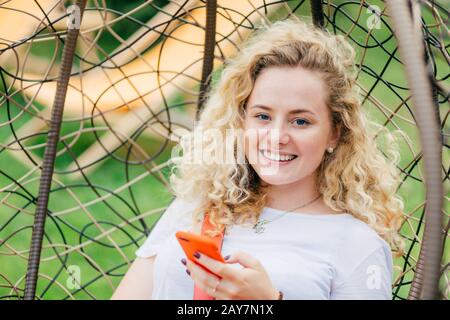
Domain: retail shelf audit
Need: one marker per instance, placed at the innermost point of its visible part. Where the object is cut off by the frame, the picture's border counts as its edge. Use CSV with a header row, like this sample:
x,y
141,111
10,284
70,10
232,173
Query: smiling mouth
x,y
276,157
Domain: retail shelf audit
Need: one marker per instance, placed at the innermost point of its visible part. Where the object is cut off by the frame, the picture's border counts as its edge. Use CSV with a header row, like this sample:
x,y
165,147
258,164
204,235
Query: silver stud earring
x,y
330,150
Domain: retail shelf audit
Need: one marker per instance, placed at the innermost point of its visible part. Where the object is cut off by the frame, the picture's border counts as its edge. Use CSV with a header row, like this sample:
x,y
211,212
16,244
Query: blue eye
x,y
305,121
264,115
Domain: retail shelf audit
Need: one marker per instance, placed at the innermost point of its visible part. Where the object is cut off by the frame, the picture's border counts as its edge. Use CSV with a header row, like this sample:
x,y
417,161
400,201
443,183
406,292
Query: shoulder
x,y
176,216
183,205
178,211
357,237
358,243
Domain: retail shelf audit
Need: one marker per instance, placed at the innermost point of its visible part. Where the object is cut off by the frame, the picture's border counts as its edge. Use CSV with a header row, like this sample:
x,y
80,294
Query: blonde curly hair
x,y
356,178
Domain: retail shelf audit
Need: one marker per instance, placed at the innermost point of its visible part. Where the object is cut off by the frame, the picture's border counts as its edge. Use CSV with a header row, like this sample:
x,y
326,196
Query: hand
x,y
250,283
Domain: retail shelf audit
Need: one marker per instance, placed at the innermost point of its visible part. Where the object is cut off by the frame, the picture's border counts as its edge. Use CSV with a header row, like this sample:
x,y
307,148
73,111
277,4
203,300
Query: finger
x,y
202,278
222,295
217,267
226,291
244,259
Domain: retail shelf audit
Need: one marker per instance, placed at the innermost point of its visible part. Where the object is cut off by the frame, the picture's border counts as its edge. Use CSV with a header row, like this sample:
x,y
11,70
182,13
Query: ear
x,y
334,136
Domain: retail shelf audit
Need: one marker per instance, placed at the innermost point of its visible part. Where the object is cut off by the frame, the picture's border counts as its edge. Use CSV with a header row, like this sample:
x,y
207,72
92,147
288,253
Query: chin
x,y
277,180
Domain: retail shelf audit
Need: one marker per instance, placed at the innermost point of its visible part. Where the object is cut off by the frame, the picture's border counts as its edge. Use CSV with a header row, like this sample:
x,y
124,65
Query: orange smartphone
x,y
191,242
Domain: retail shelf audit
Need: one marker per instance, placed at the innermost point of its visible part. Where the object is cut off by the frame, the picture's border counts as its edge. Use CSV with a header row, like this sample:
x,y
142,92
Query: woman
x,y
310,212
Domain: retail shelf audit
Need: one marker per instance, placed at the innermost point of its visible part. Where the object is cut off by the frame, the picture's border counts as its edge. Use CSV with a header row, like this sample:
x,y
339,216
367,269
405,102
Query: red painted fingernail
x,y
197,254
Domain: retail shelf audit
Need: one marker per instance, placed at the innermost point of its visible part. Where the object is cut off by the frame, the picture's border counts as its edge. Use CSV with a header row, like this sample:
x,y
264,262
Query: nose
x,y
279,133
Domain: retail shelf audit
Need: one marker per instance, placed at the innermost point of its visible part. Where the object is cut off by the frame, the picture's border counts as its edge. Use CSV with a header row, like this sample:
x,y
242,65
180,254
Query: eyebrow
x,y
290,112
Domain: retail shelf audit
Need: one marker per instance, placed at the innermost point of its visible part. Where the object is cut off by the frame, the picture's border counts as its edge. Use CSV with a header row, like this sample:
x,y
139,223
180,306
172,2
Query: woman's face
x,y
287,116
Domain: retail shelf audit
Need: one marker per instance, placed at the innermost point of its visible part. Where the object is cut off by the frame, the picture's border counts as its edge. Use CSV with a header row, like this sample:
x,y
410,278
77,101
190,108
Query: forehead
x,y
287,88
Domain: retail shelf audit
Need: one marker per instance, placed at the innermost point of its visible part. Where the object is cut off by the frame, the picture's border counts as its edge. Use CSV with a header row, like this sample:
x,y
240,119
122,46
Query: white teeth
x,y
277,157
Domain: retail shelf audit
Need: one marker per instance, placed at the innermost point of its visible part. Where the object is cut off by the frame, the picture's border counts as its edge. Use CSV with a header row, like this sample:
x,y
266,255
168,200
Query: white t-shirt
x,y
307,256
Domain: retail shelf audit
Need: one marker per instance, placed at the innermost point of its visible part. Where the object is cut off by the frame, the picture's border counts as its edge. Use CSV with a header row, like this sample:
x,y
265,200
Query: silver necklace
x,y
259,226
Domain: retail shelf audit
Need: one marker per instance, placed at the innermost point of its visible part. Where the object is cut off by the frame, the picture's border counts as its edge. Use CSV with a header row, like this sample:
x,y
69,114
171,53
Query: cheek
x,y
251,142
309,143
253,135
305,144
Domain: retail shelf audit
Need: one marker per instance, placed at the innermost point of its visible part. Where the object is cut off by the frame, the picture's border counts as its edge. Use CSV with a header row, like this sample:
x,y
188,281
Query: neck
x,y
289,196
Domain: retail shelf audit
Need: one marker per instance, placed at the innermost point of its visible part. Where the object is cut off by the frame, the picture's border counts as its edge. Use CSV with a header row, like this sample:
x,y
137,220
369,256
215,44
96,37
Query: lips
x,y
277,157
